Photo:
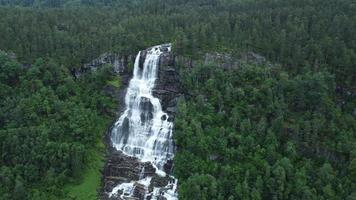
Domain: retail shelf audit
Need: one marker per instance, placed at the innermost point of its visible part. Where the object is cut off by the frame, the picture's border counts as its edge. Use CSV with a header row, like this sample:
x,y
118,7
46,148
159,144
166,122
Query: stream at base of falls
x,y
144,131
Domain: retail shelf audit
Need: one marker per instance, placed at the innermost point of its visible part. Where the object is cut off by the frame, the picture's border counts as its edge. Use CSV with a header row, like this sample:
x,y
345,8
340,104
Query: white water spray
x,y
143,130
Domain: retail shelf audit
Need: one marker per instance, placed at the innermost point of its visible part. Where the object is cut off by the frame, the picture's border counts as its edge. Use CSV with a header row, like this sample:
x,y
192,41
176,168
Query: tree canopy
x,y
256,133
280,131
48,123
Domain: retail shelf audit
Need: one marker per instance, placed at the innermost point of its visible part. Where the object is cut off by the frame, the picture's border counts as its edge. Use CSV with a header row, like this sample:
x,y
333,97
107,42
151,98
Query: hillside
x,y
281,127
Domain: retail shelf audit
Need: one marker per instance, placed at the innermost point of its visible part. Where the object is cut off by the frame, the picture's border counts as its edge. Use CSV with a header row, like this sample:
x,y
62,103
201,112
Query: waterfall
x,y
143,130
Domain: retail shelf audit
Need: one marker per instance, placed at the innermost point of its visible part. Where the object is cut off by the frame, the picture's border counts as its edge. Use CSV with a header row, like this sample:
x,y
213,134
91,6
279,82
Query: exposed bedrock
x,y
121,168
167,87
122,171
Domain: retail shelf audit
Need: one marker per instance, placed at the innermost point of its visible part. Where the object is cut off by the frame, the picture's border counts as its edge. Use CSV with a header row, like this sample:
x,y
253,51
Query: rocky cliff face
x,y
120,63
225,61
120,168
167,87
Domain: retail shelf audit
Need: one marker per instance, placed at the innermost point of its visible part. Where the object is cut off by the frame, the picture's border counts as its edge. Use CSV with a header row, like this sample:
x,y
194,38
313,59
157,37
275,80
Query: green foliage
x,y
66,3
315,34
90,181
115,82
199,187
256,133
49,123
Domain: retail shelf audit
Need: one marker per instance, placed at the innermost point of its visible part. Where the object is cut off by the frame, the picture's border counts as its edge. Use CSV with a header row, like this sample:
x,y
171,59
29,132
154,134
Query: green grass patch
x,y
116,82
87,187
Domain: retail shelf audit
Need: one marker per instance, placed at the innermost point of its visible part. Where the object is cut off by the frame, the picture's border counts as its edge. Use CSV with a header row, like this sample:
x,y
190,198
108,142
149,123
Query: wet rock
x,y
147,109
143,55
146,105
170,119
158,181
167,87
119,169
149,170
165,47
109,185
139,191
125,130
146,116
164,117
168,166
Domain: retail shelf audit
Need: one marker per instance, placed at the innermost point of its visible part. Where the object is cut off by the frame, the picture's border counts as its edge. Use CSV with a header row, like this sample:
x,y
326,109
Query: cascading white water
x,y
143,130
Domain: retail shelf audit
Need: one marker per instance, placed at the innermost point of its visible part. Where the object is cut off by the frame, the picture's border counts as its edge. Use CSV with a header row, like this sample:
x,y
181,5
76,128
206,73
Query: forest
x,y
280,131
258,133
49,121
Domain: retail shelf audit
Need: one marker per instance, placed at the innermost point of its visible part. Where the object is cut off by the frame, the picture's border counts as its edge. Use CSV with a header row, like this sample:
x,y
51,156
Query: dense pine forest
x,y
258,133
285,129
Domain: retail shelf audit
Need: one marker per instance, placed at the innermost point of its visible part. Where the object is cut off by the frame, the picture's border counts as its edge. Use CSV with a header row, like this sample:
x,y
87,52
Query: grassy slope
x,y
87,187
116,82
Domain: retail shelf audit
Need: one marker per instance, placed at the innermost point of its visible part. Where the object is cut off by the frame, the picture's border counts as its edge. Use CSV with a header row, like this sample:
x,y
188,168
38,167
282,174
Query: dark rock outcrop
x,y
139,191
168,167
225,61
119,63
147,109
158,181
167,87
121,168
